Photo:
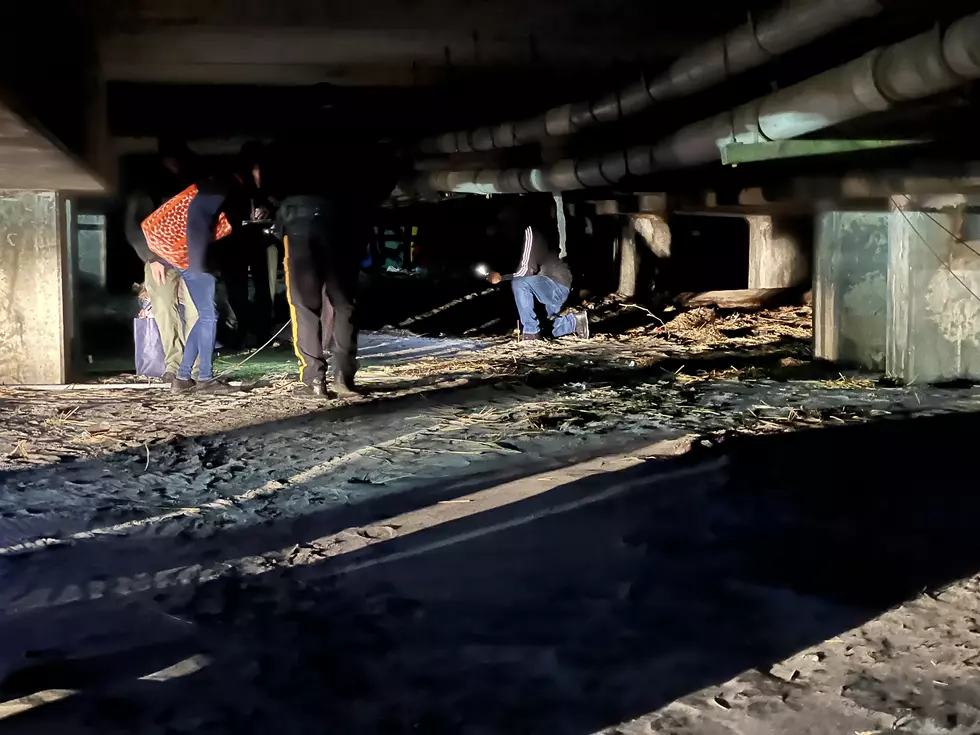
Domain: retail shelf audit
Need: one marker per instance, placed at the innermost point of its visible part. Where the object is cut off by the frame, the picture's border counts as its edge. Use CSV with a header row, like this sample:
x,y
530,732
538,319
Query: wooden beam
x,y
747,299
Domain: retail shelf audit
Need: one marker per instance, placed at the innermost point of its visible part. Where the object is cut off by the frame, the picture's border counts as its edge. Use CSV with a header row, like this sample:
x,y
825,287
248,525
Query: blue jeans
x,y
200,340
552,294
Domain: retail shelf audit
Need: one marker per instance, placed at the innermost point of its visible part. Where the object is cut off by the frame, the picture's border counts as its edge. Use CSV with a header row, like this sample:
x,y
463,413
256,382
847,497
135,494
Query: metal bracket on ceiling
x,y
733,154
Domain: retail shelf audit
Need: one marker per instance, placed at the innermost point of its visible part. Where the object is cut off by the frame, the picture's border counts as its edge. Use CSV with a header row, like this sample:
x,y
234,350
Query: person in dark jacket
x,y
541,276
246,255
162,282
328,195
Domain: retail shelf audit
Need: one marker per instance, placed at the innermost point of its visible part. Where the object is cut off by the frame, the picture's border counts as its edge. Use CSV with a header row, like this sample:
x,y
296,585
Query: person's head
x,y
250,163
175,156
510,216
509,220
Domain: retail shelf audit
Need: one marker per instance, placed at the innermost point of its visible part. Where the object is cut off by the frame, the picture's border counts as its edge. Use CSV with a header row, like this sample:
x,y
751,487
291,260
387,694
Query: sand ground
x,y
633,536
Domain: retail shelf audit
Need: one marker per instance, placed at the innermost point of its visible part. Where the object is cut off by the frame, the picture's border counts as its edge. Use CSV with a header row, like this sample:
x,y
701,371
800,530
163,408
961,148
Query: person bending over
x,y
180,233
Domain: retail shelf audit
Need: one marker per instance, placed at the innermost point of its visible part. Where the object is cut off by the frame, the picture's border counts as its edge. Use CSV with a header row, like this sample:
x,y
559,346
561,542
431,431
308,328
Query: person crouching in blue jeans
x,y
541,276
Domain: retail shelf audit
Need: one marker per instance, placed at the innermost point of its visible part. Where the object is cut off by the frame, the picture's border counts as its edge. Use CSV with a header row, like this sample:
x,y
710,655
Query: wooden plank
x,y
750,299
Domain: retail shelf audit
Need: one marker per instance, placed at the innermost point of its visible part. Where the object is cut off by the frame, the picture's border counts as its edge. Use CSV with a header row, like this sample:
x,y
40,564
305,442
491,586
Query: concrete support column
x,y
779,251
899,290
849,288
654,232
35,294
933,290
629,260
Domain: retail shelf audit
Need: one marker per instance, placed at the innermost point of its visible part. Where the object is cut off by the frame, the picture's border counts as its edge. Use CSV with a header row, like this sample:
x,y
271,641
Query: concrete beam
x,y
638,28
857,188
360,56
29,159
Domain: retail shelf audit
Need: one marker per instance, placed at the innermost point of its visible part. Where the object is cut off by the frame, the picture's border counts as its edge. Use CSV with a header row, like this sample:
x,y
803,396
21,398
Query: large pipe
x,y
794,24
918,67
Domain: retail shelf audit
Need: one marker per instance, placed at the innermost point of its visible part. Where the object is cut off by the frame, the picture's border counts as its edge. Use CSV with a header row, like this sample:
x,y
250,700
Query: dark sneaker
x,y
582,325
214,387
182,386
531,337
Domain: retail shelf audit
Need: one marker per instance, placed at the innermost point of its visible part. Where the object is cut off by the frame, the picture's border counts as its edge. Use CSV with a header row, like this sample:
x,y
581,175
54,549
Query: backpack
x,y
166,228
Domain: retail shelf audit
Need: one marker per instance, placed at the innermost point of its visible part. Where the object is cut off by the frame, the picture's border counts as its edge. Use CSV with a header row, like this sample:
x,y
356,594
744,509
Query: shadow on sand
x,y
578,609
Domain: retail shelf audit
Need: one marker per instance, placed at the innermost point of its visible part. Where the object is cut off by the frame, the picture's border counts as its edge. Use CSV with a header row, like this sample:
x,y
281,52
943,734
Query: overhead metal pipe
x,y
918,67
794,24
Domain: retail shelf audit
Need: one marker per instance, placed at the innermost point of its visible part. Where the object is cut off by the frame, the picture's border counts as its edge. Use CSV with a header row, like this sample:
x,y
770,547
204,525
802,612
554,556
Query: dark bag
x,y
150,360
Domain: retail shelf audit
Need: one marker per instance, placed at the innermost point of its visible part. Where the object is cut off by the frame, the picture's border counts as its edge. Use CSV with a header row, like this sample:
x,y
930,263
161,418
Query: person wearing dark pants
x,y
322,249
247,258
248,255
543,277
329,194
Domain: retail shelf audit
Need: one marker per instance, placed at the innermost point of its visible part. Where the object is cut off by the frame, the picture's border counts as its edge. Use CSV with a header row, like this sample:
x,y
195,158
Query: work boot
x,y
178,385
531,337
343,388
316,388
582,325
168,377
214,387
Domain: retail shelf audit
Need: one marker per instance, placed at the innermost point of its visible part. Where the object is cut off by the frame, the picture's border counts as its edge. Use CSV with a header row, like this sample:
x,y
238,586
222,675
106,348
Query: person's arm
x,y
529,265
201,216
139,206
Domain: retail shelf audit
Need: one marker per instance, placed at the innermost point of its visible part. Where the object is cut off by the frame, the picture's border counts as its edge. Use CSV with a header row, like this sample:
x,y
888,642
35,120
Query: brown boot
x,y
343,387
214,387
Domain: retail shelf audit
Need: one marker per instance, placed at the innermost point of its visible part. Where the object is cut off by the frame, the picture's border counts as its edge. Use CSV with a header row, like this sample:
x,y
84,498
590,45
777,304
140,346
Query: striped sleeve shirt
x,y
537,258
524,269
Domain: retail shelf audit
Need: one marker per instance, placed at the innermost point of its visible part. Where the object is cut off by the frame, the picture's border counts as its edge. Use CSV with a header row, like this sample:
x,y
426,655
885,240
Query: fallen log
x,y
746,299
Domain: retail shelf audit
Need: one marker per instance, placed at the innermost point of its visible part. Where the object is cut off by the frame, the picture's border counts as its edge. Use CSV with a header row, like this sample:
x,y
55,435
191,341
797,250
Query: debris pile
x,y
704,370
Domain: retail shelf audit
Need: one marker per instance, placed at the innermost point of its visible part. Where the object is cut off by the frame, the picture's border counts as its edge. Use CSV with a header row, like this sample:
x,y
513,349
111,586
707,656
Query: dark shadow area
x,y
707,254
544,371
228,535
596,602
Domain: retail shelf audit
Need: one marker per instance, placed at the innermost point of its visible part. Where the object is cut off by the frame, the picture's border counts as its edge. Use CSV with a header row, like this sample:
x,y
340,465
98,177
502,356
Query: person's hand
x,y
159,272
495,278
261,213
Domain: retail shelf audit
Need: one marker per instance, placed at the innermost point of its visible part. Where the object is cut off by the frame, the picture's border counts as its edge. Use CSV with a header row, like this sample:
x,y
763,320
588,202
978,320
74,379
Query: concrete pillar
x,y
850,288
779,251
654,231
933,290
899,290
629,260
35,294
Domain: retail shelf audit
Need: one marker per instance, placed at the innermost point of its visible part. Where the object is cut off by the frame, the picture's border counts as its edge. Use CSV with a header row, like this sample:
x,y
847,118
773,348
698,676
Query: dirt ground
x,y
686,528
